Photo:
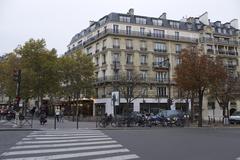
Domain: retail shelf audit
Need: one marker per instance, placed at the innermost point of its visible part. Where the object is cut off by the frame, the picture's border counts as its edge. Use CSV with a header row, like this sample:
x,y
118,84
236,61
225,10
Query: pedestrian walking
x,y
61,115
57,113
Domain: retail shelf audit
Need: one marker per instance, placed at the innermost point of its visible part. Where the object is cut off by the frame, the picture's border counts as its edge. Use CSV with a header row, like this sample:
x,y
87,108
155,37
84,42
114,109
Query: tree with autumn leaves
x,y
197,73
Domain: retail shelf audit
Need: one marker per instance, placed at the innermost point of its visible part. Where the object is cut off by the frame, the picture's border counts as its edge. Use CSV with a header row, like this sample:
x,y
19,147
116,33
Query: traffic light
x,y
170,101
17,99
16,75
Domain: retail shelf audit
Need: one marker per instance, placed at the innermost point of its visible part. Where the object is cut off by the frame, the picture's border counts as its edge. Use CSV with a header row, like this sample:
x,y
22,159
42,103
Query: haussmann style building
x,y
126,43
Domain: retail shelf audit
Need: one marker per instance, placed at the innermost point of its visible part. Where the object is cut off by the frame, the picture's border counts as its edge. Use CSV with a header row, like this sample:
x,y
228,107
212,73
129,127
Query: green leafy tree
x,y
39,69
77,74
8,64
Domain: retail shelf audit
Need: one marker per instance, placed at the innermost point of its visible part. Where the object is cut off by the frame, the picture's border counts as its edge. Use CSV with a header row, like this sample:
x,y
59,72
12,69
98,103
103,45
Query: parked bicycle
x,y
106,121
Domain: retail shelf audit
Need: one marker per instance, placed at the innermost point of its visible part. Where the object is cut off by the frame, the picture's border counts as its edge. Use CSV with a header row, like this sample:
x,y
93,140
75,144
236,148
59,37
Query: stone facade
x,y
127,42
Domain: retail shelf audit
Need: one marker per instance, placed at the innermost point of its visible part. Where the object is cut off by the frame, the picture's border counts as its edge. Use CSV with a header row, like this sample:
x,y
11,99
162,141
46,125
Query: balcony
x,y
129,47
210,51
178,51
160,65
144,63
143,49
160,50
151,80
129,62
103,48
116,46
137,34
232,53
219,41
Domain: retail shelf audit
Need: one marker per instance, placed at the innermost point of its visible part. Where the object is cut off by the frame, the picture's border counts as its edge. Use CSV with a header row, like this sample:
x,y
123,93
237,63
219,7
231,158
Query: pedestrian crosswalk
x,y
80,144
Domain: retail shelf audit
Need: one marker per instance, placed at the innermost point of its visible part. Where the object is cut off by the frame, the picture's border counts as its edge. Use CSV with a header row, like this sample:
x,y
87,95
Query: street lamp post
x,y
114,86
163,63
169,86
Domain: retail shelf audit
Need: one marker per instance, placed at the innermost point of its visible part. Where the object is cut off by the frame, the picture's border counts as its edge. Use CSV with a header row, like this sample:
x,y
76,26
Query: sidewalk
x,y
66,124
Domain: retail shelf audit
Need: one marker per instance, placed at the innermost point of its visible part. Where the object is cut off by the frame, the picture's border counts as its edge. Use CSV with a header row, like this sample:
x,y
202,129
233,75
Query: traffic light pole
x,y
17,78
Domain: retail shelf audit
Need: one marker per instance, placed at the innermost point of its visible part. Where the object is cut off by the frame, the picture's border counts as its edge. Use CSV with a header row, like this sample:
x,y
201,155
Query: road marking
x,y
73,155
63,141
60,150
62,145
65,132
63,135
123,157
73,137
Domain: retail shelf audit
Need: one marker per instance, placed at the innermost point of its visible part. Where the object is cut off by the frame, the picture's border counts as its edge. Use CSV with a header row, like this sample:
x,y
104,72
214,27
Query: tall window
x,y
161,91
104,44
143,59
158,33
160,47
89,50
177,35
97,47
116,57
157,22
104,59
129,59
161,76
142,30
97,60
128,29
129,44
129,74
143,45
144,91
116,43
141,20
178,48
161,61
115,28
130,91
105,29
144,75
104,74
124,19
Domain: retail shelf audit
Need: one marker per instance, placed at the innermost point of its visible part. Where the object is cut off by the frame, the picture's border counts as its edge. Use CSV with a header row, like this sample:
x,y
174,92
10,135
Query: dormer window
x,y
157,22
224,31
197,20
189,26
218,23
174,24
141,20
103,21
219,30
124,19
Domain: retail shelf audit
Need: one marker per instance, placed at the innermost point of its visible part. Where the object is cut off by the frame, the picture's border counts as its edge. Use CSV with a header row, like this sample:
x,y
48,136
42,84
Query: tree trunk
x,y
224,111
192,110
200,98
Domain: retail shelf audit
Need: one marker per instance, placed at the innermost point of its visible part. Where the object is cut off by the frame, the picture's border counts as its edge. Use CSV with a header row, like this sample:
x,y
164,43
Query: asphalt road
x,y
181,143
10,138
148,144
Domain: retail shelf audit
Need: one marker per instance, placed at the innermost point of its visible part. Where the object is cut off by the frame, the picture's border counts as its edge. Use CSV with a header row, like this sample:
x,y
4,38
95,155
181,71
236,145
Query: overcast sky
x,y
57,21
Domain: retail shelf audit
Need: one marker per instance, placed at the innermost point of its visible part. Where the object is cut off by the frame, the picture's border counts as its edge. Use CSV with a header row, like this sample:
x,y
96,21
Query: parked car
x,y
235,118
172,117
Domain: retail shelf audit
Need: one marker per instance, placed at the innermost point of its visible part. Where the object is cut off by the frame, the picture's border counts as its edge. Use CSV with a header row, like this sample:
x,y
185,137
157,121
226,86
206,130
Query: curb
x,y
19,129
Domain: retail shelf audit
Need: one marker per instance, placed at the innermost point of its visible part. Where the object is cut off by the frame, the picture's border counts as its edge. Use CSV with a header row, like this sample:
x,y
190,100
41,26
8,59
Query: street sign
x,y
115,98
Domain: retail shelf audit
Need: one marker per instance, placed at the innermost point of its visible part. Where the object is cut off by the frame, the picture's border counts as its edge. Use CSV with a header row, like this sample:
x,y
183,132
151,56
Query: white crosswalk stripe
x,y
88,144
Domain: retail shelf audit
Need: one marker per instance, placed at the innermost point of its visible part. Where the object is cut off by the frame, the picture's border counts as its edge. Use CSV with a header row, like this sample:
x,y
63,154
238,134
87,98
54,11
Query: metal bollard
x,y
55,125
